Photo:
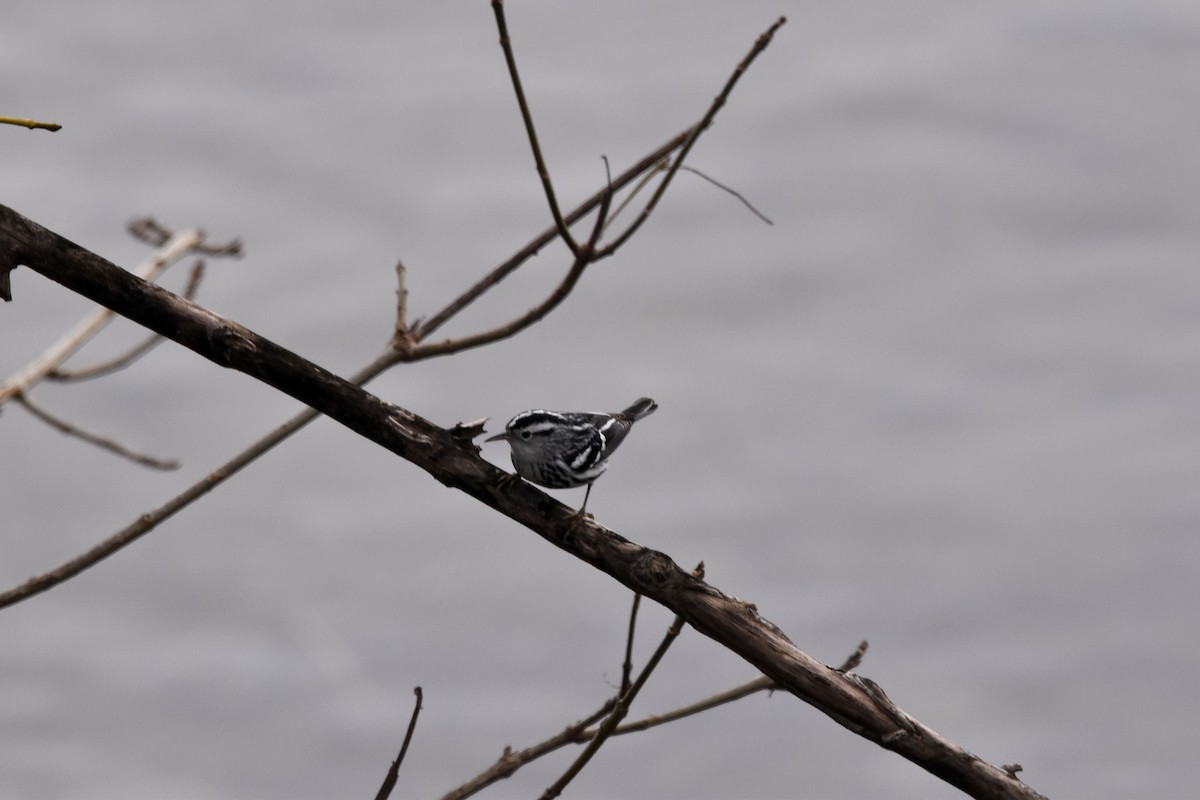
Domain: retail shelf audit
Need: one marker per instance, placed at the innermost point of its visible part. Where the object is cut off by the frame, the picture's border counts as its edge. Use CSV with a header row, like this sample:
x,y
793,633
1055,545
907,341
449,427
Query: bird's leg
x,y
583,508
579,516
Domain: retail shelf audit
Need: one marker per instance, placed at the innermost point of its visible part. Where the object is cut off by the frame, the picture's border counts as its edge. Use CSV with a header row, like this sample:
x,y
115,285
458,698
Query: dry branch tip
x,y
854,659
31,124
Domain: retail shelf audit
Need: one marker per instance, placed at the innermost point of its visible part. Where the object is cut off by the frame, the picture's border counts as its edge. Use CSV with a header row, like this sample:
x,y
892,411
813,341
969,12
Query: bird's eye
x,y
526,434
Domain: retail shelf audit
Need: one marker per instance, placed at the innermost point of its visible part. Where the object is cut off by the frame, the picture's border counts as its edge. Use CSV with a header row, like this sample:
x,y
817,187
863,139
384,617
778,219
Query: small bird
x,y
565,449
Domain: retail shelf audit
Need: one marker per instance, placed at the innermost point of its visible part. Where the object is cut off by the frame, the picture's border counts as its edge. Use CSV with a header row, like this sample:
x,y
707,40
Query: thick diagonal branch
x,y
854,702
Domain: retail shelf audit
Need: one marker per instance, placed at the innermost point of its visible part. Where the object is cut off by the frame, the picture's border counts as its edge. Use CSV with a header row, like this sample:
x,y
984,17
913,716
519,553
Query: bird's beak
x,y
497,437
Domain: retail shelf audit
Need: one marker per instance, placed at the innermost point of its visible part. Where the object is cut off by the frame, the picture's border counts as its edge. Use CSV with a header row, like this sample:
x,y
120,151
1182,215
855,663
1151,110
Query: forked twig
x,y
760,684
612,712
585,256
510,761
419,333
152,519
581,731
493,278
661,166
174,247
147,522
134,353
718,102
653,162
618,713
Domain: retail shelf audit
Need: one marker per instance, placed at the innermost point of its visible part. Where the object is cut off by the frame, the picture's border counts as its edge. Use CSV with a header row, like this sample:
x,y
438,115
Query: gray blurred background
x,y
947,403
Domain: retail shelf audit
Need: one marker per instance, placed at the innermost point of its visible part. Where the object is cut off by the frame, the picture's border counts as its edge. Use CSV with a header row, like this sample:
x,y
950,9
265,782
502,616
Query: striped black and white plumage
x,y
565,449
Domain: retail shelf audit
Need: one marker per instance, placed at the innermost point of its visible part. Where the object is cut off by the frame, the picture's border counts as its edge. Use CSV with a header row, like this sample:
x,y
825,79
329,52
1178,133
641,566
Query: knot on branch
x,y
652,570
231,344
883,703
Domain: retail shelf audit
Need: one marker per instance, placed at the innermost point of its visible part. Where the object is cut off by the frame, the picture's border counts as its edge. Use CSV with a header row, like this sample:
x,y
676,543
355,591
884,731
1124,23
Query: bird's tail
x,y
642,408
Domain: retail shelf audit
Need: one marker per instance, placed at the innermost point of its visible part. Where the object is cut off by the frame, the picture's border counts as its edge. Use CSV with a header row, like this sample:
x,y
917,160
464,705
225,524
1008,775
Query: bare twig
x,y
402,338
407,349
173,249
104,444
653,162
136,352
153,233
618,713
230,249
389,781
510,761
627,666
530,132
149,231
759,684
426,329
585,256
152,519
759,45
581,731
732,191
30,123
661,166
854,659
149,521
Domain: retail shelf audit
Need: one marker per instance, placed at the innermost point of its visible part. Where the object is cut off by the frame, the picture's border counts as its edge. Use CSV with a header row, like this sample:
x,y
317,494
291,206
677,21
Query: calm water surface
x,y
946,403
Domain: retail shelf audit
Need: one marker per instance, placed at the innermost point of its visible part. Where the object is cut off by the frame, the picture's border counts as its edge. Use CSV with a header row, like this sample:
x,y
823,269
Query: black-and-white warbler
x,y
565,449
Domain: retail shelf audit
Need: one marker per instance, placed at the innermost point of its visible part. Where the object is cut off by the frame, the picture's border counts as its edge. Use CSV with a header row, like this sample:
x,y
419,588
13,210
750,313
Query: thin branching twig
x,y
426,329
510,761
174,247
152,519
584,258
718,102
618,713
661,166
133,354
582,731
151,231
